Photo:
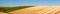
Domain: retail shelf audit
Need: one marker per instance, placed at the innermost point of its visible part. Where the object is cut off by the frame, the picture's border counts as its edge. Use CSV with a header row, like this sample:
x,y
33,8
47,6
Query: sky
x,y
29,2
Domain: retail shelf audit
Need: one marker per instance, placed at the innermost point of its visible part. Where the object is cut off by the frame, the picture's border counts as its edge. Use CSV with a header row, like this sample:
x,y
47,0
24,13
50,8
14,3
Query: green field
x,y
8,9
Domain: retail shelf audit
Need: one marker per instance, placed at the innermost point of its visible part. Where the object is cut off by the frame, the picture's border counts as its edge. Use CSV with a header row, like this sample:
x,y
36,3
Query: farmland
x,y
38,10
32,10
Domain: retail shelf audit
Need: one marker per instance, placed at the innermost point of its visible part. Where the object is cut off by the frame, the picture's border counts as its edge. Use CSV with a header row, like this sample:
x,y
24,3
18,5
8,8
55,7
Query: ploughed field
x,y
38,10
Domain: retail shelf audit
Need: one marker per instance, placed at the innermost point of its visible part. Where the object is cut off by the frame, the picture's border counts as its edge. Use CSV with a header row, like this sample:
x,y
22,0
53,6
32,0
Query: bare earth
x,y
38,10
3,13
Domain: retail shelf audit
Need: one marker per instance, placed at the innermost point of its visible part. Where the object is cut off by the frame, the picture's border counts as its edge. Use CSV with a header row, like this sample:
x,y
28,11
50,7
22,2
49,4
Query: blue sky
x,y
29,2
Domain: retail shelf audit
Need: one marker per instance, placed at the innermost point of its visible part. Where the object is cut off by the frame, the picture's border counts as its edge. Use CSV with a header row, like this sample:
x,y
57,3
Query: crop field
x,y
38,10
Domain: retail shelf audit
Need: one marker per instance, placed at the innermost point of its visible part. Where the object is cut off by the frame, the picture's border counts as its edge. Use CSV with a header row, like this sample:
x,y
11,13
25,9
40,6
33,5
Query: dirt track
x,y
38,10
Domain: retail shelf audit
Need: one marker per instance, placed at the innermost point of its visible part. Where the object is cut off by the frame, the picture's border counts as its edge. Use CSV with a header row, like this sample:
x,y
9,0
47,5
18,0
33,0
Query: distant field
x,y
8,9
38,10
